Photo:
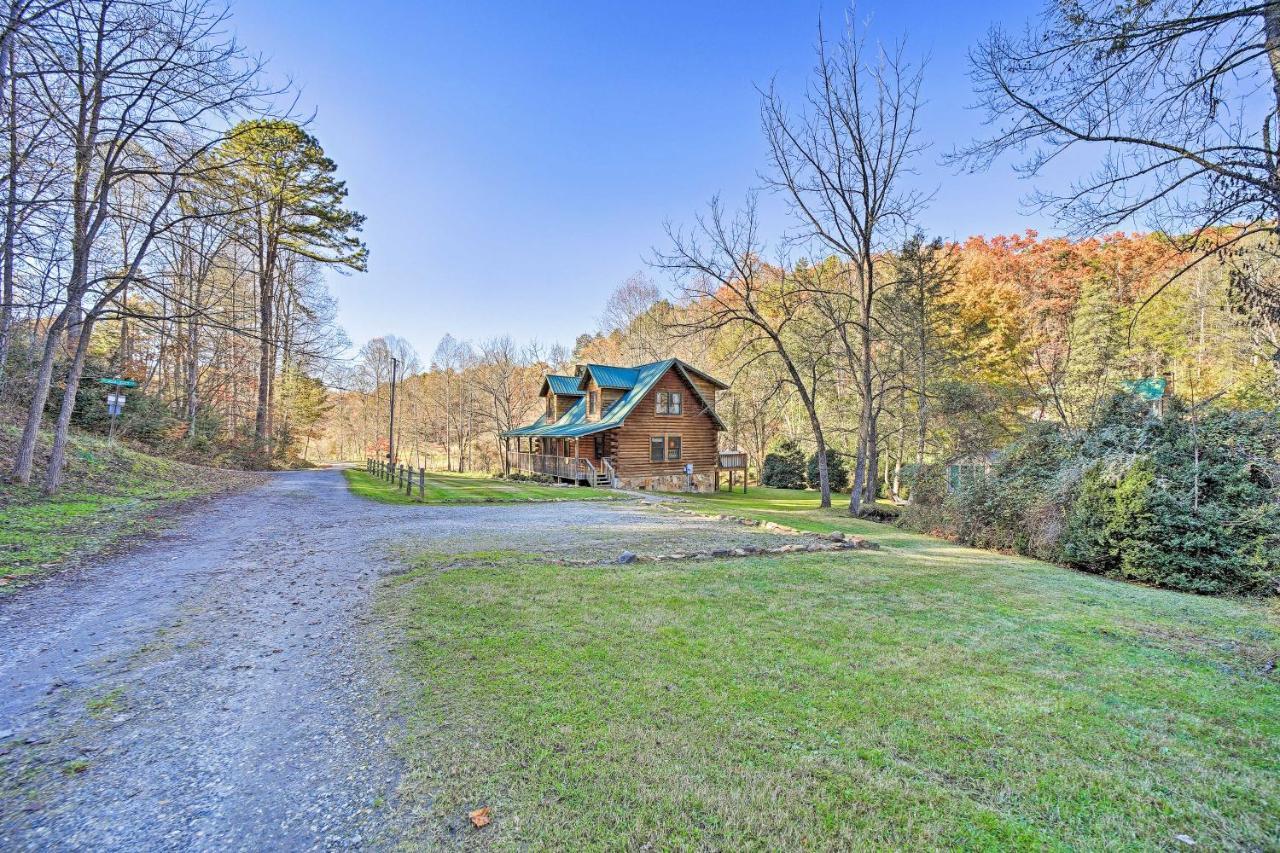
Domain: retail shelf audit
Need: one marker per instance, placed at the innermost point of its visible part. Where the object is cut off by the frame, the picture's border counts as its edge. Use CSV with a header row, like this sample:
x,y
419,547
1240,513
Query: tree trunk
x,y
23,458
265,358
57,456
193,346
866,438
11,195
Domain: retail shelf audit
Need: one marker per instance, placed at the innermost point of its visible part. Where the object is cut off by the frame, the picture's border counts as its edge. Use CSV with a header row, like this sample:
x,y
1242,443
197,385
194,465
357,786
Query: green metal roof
x,y
563,385
608,376
574,423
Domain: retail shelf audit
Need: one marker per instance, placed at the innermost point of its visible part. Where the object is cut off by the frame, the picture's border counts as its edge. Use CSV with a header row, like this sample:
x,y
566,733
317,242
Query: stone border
x,y
824,542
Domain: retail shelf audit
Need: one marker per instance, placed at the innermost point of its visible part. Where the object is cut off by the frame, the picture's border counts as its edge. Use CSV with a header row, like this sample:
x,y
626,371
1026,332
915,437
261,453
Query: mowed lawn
x,y
922,695
452,488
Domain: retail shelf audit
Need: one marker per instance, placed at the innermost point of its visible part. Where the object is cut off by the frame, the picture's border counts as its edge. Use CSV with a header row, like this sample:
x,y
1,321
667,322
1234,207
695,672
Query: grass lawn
x,y
923,695
450,488
109,493
798,509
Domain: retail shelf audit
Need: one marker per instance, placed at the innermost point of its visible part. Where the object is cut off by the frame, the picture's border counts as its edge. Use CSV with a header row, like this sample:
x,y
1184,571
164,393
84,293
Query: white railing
x,y
563,467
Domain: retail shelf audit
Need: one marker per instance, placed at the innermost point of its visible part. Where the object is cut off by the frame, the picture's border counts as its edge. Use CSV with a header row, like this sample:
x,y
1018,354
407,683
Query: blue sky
x,y
516,161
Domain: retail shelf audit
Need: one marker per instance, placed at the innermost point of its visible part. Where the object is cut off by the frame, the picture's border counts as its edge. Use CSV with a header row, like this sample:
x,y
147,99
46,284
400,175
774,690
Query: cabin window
x,y
550,403
593,402
669,403
599,448
664,448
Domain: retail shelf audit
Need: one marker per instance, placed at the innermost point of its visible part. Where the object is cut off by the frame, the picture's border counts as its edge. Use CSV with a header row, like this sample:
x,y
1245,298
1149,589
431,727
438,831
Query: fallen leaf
x,y
480,817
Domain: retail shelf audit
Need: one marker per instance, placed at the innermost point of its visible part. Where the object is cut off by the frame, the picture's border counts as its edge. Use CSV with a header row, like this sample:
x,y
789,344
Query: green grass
x,y
923,695
109,493
451,488
108,703
798,509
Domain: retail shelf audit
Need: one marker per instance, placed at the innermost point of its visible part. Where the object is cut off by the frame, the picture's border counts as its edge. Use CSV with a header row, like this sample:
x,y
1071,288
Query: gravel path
x,y
224,687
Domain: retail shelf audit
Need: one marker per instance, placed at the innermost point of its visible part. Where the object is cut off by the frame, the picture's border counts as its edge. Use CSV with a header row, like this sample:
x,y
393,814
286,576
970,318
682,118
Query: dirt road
x,y
224,686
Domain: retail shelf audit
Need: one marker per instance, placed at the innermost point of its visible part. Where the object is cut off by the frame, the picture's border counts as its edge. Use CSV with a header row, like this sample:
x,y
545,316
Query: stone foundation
x,y
670,483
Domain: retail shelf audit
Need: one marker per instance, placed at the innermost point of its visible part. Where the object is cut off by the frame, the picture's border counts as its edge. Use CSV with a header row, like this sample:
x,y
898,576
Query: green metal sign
x,y
1151,389
119,383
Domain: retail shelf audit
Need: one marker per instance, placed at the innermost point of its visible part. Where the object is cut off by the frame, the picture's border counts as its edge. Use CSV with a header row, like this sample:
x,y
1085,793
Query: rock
x,y
626,557
836,536
721,552
739,552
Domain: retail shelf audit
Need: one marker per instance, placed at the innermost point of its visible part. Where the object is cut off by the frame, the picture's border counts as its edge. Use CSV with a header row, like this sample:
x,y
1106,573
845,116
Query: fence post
x,y
408,481
422,483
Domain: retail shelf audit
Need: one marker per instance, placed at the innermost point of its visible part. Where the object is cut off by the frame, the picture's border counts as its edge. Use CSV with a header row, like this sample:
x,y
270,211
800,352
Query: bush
x,y
784,467
1189,504
837,474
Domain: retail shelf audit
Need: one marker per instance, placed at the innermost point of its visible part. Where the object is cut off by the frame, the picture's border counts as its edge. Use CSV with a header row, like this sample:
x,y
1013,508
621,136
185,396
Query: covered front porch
x,y
563,458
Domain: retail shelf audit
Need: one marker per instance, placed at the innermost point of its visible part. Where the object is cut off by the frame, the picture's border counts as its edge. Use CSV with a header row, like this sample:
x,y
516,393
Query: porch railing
x,y
564,467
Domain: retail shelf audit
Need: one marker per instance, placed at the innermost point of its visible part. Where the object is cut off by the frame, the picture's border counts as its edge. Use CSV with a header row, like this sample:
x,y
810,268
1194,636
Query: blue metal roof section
x,y
562,385
639,381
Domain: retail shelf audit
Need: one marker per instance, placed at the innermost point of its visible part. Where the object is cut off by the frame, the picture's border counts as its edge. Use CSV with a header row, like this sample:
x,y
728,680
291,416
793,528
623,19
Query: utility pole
x,y
391,431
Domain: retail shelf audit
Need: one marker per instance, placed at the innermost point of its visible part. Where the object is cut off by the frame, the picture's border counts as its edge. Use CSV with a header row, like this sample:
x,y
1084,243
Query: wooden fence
x,y
401,476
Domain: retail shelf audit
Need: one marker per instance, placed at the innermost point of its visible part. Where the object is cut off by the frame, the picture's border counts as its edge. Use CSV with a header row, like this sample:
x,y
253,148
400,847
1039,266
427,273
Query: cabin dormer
x,y
561,394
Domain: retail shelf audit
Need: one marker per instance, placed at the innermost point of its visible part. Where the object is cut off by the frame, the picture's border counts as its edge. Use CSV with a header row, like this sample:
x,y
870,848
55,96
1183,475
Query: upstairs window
x,y
669,403
593,402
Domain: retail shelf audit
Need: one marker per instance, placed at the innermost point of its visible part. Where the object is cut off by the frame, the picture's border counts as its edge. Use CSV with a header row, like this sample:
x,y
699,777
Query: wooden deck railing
x,y
564,467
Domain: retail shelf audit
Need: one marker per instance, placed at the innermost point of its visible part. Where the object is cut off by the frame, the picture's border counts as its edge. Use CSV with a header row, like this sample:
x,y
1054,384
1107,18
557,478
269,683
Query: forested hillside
x,y
978,339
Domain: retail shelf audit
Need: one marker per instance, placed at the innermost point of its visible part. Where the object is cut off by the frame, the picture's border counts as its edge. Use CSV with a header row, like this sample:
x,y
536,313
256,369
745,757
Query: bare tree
x,y
1179,99
509,386
719,267
842,164
137,92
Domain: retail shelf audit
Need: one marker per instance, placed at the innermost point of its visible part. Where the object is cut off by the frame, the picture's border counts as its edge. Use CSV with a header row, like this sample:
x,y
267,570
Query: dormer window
x,y
669,403
593,402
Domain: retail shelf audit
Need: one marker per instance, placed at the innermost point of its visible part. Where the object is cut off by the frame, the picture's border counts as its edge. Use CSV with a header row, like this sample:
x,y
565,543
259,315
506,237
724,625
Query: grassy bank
x,y
110,493
451,488
923,695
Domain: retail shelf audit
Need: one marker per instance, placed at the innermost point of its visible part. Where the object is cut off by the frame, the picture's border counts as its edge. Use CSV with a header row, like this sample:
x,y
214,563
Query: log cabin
x,y
652,426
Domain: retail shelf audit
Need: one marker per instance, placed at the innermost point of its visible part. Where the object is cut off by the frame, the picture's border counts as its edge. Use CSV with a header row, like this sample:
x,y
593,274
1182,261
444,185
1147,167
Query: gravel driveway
x,y
224,686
